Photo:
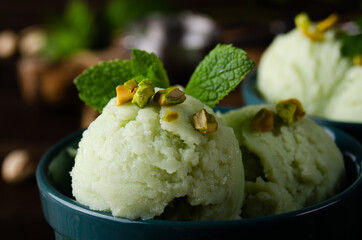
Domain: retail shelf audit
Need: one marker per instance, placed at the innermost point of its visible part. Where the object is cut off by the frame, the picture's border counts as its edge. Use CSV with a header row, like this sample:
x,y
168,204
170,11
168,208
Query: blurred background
x,y
44,45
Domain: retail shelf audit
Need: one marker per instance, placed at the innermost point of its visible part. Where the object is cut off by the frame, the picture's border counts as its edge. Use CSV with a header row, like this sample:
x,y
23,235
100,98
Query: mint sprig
x,y
97,84
218,74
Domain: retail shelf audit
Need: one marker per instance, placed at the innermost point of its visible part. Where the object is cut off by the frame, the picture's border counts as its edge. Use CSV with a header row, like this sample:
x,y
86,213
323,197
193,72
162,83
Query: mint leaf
x,y
352,45
220,72
97,85
148,65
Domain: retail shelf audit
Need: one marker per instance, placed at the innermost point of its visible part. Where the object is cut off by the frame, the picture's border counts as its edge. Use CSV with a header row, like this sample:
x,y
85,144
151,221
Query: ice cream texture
x,y
346,103
136,165
315,72
288,168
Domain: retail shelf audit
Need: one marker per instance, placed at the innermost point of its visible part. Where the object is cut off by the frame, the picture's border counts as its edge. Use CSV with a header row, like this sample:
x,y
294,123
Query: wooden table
x,y
35,129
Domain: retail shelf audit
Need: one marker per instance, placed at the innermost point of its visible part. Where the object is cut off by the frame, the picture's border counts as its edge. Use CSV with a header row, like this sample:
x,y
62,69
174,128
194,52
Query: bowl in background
x,y
252,96
339,216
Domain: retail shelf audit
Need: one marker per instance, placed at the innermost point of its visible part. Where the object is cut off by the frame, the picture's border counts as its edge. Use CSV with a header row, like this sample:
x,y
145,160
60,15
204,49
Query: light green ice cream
x,y
346,102
288,168
134,164
314,72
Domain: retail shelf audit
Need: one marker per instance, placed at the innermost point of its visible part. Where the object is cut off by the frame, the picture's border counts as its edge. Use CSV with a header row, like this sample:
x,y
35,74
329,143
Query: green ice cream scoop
x,y
133,163
287,168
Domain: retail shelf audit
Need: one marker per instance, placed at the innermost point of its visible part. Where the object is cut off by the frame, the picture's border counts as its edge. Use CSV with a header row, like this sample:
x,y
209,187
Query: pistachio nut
x,y
125,92
357,60
131,84
263,121
143,93
314,32
204,122
327,23
170,116
290,110
170,96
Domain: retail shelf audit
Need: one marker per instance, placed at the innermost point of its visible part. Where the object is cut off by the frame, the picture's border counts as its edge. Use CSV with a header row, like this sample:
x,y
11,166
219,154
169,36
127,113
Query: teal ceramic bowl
x,y
252,96
339,216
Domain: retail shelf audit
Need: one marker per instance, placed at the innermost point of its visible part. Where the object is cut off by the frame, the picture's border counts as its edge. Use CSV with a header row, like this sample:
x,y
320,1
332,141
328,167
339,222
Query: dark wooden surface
x,y
35,129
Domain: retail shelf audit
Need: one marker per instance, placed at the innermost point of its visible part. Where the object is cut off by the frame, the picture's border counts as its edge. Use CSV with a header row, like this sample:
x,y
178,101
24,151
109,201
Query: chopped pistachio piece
x,y
170,96
316,32
124,94
327,23
170,116
314,36
144,93
302,21
205,122
263,121
290,110
357,60
131,84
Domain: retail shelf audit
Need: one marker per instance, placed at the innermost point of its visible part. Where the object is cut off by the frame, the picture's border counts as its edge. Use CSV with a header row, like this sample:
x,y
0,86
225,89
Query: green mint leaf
x,y
219,73
352,45
97,85
148,65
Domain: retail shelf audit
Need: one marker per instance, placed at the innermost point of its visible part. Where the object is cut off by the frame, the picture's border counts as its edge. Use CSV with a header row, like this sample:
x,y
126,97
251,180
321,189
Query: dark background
x,y
37,127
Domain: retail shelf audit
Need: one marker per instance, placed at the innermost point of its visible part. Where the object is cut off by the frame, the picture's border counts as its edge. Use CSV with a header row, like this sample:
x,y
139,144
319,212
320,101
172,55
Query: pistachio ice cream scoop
x,y
346,102
295,66
161,152
289,165
309,65
151,162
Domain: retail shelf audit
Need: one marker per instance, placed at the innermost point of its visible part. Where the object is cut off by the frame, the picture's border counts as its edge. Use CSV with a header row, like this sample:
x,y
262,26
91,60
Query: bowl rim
x,y
46,188
249,88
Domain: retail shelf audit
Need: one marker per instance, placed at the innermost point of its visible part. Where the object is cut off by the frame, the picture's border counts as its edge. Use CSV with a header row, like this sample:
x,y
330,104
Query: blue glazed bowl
x,y
339,216
252,96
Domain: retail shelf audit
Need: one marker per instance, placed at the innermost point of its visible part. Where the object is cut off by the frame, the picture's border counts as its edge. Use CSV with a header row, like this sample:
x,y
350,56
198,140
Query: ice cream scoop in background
x,y
346,102
252,96
295,66
289,168
313,70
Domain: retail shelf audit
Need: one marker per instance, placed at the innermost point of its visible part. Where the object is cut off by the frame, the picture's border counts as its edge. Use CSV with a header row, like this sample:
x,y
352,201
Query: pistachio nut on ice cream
x,y
290,162
158,152
315,63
